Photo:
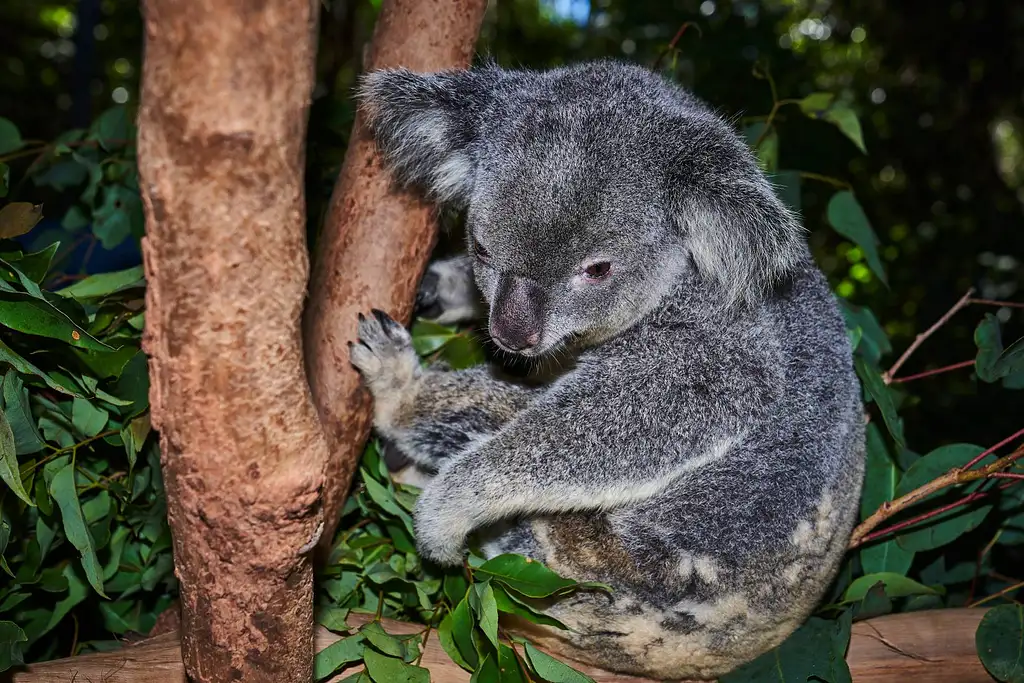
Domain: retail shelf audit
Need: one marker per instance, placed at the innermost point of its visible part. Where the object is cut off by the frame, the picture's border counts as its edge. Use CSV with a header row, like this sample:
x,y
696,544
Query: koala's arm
x,y
448,293
574,449
430,415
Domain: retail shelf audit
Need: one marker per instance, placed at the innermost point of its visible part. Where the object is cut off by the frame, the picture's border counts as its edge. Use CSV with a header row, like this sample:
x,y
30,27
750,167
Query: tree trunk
x,y
375,241
225,92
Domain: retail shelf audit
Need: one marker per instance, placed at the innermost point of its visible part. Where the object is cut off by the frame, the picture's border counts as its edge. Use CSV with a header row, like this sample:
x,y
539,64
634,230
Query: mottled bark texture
x,y
225,92
376,240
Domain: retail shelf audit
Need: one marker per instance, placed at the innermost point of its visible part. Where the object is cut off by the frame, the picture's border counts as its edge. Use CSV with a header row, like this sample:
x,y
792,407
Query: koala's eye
x,y
598,271
479,251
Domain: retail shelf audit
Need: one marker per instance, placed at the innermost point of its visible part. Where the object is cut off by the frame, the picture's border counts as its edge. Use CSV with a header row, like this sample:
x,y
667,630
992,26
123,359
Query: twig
x,y
929,373
1005,591
981,456
1007,475
991,302
675,40
919,339
835,182
958,475
977,495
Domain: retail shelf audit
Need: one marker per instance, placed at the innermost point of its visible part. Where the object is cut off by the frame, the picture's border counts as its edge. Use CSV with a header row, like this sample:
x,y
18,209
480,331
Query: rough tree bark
x,y
376,240
225,92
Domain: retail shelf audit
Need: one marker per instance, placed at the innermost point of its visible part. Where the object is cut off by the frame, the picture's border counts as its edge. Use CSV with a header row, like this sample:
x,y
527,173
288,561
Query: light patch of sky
x,y
577,11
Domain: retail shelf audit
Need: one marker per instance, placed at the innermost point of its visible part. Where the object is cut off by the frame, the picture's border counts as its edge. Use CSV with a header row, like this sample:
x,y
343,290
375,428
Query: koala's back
x,y
732,555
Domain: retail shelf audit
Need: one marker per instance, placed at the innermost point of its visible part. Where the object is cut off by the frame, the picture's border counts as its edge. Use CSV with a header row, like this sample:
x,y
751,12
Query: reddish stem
x,y
991,302
936,371
999,445
925,516
1007,475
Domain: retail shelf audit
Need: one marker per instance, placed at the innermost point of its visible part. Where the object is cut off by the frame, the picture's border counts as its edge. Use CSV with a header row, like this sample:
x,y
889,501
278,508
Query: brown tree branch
x,y
920,339
226,86
936,371
933,646
957,475
376,240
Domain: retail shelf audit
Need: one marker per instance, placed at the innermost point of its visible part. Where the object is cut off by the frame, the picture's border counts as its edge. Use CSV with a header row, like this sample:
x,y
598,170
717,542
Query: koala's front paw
x,y
385,357
441,528
448,294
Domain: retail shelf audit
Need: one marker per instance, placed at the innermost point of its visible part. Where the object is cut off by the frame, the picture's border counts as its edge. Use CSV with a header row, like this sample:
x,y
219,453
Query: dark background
x,y
939,87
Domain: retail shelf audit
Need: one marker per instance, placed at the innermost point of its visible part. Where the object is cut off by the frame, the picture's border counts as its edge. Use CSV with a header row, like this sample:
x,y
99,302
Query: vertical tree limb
x,y
375,241
225,92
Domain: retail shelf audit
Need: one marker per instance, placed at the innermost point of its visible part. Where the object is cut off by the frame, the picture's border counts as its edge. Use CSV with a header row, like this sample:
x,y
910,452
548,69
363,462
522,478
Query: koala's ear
x,y
426,124
745,239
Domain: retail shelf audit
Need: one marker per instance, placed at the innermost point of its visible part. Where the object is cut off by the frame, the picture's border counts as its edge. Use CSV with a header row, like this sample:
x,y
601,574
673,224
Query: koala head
x,y
590,191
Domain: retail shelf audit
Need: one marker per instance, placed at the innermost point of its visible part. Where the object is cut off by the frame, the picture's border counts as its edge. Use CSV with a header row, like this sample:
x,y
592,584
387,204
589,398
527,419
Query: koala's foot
x,y
448,293
386,358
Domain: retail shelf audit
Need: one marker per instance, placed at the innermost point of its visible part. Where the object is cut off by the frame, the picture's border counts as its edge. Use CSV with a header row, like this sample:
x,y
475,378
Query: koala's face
x,y
591,192
568,244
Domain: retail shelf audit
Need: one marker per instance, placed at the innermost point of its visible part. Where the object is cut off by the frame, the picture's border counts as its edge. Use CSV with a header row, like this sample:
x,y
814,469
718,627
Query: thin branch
x,y
991,302
929,373
1000,594
1007,475
835,182
964,300
992,449
977,495
958,475
675,40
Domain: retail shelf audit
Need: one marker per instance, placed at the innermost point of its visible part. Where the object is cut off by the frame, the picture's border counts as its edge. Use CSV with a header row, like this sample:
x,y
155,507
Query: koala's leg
x,y
429,415
448,293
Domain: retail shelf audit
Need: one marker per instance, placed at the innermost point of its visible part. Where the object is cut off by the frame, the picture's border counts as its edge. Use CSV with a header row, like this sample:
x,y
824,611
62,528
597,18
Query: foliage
x,y
84,540
83,534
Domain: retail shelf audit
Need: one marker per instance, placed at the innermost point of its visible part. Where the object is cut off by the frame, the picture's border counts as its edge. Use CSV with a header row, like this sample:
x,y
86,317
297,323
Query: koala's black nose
x,y
517,313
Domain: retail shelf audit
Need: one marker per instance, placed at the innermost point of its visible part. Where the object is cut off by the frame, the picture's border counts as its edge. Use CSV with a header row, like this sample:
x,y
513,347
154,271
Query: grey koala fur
x,y
704,453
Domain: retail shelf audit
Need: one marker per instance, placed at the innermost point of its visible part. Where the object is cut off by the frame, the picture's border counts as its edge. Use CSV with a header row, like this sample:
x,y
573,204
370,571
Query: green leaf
x,y
509,669
447,640
87,419
428,337
463,352
525,576
62,490
462,633
815,650
11,648
512,605
1000,643
23,425
455,586
332,618
77,592
75,218
111,127
114,218
787,187
17,218
879,392
10,138
874,341
36,265
816,104
992,362
880,479
24,367
487,672
337,655
384,669
896,586
847,217
388,644
486,609
40,317
105,284
765,145
552,670
9,470
845,119
950,525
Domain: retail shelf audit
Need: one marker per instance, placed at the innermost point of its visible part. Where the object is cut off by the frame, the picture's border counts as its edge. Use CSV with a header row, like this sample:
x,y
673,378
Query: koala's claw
x,y
384,350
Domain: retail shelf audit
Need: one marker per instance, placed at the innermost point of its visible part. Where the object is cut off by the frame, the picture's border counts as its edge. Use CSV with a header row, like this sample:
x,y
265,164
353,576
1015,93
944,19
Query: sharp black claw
x,y
362,318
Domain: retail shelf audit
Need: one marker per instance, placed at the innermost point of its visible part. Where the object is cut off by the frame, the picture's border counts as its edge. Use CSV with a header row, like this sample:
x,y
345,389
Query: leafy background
x,y
894,129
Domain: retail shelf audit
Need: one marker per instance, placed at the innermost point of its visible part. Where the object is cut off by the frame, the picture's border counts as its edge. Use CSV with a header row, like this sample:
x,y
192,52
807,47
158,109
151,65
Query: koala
x,y
703,454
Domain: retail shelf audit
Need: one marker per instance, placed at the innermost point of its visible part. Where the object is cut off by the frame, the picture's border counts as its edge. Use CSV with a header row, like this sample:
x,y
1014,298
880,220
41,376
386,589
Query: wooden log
x,y
375,241
924,647
226,87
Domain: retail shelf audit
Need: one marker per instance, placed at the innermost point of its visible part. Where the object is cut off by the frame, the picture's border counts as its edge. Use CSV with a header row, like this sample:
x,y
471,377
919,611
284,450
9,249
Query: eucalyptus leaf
x,y
384,669
552,670
9,470
10,137
62,489
338,654
847,217
17,218
1000,643
525,576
